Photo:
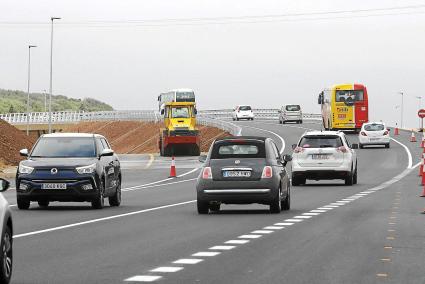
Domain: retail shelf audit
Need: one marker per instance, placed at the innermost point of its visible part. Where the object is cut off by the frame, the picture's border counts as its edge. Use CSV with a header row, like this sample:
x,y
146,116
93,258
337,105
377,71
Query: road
x,y
368,233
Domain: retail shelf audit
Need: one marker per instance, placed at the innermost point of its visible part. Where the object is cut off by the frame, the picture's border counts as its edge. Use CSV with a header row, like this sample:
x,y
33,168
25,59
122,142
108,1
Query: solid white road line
x,y
167,269
206,253
143,278
188,173
101,219
188,261
162,184
409,155
273,133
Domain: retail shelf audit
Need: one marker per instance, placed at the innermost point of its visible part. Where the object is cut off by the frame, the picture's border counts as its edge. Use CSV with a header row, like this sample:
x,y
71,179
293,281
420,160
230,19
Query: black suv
x,y
69,167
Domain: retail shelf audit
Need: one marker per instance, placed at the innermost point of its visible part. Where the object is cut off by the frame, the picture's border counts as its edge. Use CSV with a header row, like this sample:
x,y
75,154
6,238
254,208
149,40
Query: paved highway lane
x,y
114,249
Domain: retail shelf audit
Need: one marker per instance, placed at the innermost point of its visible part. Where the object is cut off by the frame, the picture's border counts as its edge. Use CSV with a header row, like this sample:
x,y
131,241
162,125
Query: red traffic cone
x,y
173,168
423,143
421,168
412,137
423,192
396,131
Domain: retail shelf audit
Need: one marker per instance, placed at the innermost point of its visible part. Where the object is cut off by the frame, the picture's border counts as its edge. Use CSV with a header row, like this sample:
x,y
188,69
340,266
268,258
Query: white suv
x,y
324,155
243,112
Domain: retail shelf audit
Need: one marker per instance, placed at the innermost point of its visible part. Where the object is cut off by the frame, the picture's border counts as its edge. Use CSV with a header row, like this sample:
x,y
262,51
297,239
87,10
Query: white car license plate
x,y
374,139
320,157
236,174
53,186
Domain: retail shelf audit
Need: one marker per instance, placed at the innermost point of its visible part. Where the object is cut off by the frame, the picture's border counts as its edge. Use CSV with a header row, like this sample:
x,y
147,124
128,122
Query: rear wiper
x,y
326,146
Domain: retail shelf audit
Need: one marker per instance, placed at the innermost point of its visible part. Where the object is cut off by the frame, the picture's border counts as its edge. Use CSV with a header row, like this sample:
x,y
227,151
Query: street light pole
x,y
401,111
28,88
45,100
51,73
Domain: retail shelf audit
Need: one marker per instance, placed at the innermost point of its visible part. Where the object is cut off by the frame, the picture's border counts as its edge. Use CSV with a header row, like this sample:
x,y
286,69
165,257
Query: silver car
x,y
6,236
243,170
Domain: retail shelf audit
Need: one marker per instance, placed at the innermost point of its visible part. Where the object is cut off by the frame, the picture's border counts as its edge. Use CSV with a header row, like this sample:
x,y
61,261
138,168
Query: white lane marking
x,y
273,228
130,188
162,184
409,155
293,220
284,224
318,211
332,206
102,219
188,261
189,172
325,208
250,236
262,232
206,253
143,278
222,247
167,269
151,159
311,214
274,133
302,217
237,242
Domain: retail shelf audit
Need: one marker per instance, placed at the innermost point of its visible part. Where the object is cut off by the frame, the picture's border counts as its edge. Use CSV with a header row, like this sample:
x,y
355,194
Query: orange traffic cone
x,y
396,131
173,168
421,168
423,192
412,137
423,142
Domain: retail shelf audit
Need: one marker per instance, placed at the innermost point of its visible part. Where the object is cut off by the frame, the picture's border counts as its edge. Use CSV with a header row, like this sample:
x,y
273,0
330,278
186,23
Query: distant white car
x,y
243,112
324,155
6,225
374,133
290,113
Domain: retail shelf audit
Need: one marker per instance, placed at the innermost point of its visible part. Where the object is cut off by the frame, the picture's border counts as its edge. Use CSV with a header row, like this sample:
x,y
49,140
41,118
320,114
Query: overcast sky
x,y
265,64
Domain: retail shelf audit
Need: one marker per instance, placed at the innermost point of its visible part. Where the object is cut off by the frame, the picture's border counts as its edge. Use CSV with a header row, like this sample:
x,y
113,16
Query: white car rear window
x,y
374,127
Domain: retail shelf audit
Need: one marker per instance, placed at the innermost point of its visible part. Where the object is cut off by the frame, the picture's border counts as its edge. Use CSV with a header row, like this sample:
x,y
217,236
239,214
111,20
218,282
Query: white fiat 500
x,y
324,155
374,133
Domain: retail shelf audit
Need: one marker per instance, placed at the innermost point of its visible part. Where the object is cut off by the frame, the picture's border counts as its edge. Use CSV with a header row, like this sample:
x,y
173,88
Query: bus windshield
x,y
349,96
180,112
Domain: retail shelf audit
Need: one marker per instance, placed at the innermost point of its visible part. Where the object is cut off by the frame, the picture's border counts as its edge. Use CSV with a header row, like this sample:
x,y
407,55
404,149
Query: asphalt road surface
x,y
372,232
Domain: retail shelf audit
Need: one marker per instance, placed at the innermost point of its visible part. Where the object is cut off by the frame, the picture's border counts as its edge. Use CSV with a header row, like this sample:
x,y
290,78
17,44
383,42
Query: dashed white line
x,y
250,236
311,214
167,269
143,278
222,247
262,232
318,211
273,228
284,224
206,253
188,261
237,242
302,217
293,220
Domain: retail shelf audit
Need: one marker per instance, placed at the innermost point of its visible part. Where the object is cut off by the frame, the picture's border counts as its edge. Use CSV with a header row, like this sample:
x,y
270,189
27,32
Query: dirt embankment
x,y
137,137
11,141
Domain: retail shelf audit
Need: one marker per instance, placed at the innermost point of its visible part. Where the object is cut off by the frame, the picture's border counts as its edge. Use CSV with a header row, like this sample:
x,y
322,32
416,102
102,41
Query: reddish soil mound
x,y
138,137
11,141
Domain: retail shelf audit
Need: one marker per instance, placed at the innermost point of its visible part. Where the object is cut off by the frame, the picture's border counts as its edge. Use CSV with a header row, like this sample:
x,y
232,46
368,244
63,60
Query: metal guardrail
x,y
215,118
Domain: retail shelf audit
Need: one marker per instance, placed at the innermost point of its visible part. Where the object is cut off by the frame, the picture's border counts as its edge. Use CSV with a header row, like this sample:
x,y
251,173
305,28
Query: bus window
x,y
348,95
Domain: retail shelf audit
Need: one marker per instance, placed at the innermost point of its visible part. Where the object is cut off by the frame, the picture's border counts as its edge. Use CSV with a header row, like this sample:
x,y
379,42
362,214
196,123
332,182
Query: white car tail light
x,y
298,150
206,173
342,149
363,133
267,172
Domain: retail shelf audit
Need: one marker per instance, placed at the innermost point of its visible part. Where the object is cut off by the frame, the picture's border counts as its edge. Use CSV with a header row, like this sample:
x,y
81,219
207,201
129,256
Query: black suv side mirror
x,y
355,146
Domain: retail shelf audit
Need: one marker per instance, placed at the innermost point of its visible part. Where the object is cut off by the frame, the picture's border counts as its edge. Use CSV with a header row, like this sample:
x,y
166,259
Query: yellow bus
x,y
344,107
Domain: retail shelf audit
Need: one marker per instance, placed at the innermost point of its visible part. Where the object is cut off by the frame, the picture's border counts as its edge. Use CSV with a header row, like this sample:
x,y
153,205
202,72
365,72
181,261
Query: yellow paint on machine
x,y
342,115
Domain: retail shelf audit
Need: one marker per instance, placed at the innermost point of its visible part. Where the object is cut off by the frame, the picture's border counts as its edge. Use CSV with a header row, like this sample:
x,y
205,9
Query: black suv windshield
x,y
64,147
321,142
